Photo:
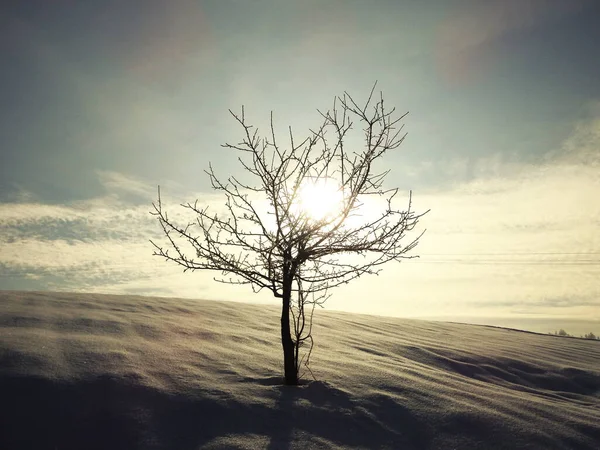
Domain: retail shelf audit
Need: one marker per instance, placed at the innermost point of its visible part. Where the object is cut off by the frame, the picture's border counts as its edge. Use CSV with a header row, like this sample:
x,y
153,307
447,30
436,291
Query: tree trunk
x,y
289,363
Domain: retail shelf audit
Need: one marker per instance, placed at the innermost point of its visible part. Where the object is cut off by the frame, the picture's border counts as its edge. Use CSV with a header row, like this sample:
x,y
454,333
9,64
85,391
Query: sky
x,y
103,101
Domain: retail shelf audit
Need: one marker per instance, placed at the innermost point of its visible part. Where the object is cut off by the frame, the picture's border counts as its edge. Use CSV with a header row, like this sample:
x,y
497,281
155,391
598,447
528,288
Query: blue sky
x,y
102,101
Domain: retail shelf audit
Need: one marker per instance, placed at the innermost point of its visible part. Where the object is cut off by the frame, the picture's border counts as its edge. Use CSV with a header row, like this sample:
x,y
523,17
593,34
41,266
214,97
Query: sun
x,y
320,199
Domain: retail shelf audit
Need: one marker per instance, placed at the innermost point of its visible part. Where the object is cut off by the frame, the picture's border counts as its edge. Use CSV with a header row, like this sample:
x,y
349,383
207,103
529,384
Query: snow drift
x,y
125,372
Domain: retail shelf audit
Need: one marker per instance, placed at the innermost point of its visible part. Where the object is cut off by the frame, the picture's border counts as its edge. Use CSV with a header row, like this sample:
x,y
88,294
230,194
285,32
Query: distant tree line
x,y
563,333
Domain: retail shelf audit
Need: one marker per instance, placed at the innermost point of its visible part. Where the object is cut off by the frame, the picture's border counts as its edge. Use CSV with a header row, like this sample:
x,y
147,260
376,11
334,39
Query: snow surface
x,y
87,371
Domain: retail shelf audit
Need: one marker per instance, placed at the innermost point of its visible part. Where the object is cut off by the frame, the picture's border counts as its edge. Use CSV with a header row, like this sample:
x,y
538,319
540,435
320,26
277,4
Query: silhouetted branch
x,y
265,240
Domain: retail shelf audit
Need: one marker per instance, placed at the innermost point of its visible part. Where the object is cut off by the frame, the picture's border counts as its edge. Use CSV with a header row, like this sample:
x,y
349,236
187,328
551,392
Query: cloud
x,y
583,145
466,36
101,244
556,302
169,41
120,184
506,242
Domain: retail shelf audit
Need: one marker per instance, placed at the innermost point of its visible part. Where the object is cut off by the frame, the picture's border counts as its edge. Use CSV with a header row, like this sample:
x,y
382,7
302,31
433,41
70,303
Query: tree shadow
x,y
117,413
319,409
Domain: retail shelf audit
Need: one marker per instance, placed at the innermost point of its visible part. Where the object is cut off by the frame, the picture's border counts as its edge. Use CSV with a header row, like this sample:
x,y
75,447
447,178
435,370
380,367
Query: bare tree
x,y
268,238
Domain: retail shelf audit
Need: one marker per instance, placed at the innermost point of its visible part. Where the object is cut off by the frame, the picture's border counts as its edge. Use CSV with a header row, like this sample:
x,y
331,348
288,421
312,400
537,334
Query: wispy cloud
x,y
101,244
466,36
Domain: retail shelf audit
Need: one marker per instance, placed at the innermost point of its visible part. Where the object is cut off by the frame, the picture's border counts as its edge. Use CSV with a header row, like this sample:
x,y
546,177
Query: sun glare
x,y
319,199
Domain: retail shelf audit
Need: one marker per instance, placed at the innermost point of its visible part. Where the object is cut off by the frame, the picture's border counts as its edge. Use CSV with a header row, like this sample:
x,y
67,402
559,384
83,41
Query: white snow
x,y
96,371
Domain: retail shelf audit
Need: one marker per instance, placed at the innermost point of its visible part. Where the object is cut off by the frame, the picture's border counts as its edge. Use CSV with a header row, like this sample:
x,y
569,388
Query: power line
x,y
512,254
581,258
506,262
